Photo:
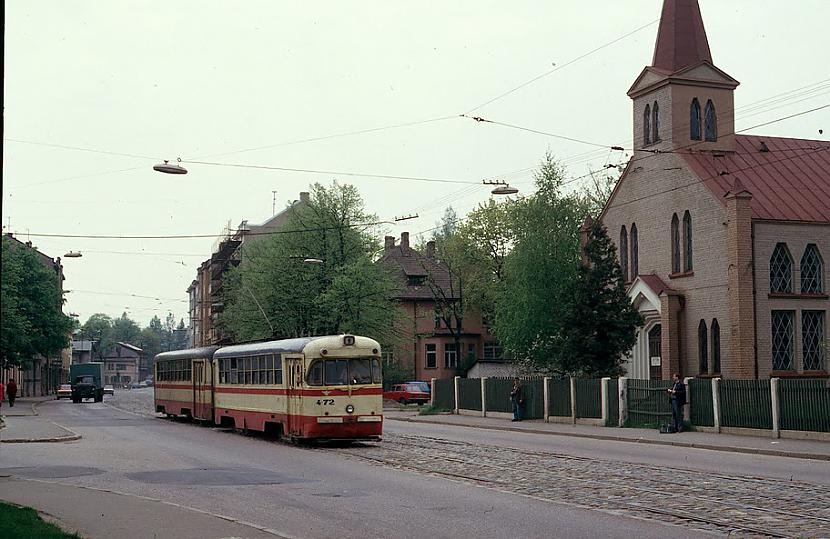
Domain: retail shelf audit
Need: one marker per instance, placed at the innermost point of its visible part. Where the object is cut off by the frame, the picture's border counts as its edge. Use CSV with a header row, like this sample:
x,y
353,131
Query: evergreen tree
x,y
601,324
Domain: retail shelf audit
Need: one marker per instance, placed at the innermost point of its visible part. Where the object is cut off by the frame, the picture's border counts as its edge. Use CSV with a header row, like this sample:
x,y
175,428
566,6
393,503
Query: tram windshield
x,y
342,372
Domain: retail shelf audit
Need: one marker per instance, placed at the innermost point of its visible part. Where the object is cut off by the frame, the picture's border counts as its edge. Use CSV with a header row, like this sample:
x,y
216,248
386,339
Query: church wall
x,y
797,236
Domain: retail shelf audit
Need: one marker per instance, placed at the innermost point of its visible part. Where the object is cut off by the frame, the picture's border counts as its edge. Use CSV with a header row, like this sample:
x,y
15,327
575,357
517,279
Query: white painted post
x,y
623,396
432,392
483,396
455,384
573,400
776,407
687,410
546,398
716,402
604,383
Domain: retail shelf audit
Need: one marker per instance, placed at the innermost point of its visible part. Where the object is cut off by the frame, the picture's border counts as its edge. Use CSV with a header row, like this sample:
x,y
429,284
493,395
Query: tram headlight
x,y
349,409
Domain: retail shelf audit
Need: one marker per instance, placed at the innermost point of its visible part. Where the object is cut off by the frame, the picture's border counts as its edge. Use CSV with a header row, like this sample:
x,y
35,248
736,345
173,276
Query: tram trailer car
x,y
307,388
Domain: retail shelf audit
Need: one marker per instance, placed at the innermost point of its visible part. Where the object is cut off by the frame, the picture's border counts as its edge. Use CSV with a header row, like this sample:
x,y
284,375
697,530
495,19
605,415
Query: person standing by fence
x,y
517,399
677,397
11,391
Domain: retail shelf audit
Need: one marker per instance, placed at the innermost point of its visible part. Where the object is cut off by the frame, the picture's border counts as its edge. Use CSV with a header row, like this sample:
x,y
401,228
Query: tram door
x,y
294,396
202,390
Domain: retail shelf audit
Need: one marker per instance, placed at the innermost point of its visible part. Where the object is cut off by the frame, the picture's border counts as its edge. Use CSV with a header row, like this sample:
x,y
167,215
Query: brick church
x,y
722,236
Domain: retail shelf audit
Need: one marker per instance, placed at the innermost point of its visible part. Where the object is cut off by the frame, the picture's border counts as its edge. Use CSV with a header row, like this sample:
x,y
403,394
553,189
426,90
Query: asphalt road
x,y
423,480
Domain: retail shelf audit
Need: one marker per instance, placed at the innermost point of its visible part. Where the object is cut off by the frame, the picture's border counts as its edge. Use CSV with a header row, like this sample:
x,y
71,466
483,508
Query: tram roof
x,y
268,347
205,352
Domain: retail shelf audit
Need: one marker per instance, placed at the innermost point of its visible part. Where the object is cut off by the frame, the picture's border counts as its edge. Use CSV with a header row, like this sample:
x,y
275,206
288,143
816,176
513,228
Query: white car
x,y
109,390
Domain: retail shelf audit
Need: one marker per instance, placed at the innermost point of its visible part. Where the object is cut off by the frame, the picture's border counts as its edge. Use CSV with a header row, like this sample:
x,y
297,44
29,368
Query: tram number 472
x,y
325,402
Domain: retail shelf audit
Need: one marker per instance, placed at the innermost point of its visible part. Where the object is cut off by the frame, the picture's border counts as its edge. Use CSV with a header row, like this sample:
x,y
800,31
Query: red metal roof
x,y
656,284
681,39
789,182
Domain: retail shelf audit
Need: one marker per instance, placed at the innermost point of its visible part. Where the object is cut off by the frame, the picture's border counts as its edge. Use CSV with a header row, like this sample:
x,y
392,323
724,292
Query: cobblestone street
x,y
716,502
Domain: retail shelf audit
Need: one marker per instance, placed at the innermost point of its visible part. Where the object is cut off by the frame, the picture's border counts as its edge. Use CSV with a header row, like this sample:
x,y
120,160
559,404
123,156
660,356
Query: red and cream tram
x,y
315,387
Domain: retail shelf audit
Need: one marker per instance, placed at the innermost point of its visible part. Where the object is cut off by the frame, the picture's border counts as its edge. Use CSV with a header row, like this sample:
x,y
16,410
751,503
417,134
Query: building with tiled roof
x,y
428,348
723,237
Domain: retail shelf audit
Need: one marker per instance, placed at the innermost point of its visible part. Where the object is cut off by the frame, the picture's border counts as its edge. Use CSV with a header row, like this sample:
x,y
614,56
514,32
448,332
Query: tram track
x,y
752,507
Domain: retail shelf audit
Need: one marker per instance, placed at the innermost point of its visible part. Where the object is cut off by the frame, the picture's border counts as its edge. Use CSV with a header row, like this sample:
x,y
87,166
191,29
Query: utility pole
x,y
273,203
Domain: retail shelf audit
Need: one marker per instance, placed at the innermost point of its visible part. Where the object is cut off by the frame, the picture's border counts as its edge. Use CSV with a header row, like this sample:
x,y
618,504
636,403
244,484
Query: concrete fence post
x,y
716,403
455,388
687,410
573,400
603,391
776,407
432,392
623,396
546,398
483,396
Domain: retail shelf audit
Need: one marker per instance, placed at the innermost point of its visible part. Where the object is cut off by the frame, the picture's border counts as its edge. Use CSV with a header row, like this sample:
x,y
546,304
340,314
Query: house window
x,y
655,122
781,270
635,255
450,355
694,120
431,357
715,346
675,244
812,337
624,252
416,280
647,125
703,347
493,350
782,340
687,241
811,271
471,352
711,122
388,356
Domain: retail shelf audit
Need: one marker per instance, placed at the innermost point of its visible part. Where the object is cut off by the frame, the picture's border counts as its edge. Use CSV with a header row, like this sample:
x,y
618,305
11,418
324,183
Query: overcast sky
x,y
201,79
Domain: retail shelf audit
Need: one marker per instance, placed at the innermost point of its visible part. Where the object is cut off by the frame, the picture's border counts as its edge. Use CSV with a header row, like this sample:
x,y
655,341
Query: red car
x,y
417,392
64,392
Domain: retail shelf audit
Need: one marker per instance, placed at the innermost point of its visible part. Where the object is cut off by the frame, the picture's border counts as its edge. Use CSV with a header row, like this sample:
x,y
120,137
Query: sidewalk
x,y
94,513
806,449
21,424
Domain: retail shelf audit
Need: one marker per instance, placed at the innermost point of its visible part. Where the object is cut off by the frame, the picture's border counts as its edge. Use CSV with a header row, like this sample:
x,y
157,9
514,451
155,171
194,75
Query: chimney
x,y
388,242
405,239
305,198
430,249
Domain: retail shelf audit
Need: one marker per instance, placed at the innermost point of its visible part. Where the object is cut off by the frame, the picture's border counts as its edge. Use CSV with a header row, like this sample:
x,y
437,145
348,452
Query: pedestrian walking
x,y
11,391
517,399
2,392
677,397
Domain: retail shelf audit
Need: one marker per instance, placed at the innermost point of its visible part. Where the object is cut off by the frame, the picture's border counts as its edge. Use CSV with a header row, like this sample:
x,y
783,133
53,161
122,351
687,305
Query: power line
x,y
563,137
80,149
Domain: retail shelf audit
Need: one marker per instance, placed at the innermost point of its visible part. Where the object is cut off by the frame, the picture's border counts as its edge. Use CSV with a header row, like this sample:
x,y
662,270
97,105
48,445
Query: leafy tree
x,y
601,322
32,319
532,304
98,328
602,183
124,329
274,294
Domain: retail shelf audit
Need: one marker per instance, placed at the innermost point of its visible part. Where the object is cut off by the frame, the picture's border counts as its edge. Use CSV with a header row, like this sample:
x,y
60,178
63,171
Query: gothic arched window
x,y
655,122
703,347
624,252
715,346
675,244
781,270
647,125
812,269
694,120
710,122
687,242
635,255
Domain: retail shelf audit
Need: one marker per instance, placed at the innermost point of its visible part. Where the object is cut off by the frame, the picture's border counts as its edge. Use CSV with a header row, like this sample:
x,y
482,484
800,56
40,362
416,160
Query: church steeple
x,y
681,39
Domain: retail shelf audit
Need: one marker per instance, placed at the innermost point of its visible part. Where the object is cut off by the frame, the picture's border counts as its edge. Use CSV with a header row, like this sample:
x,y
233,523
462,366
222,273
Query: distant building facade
x,y
125,364
723,237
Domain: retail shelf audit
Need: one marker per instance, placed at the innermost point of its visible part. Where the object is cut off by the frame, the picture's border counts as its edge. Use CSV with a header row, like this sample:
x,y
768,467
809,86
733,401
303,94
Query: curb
x,y
692,445
73,436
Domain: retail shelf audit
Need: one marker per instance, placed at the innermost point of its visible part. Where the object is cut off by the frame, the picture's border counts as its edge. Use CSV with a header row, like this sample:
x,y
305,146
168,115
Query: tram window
x,y
377,377
360,371
315,374
337,372
277,369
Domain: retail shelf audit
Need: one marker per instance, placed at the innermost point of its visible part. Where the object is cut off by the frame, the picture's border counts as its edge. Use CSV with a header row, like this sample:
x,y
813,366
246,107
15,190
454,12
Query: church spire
x,y
681,40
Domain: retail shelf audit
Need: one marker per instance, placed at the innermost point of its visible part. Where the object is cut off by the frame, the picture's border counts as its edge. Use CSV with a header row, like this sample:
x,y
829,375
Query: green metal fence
x,y
702,410
559,393
534,407
746,403
613,403
648,403
469,393
805,404
589,398
444,394
498,394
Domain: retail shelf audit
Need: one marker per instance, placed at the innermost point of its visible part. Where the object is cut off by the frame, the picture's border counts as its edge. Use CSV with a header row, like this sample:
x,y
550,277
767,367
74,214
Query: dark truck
x,y
87,381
